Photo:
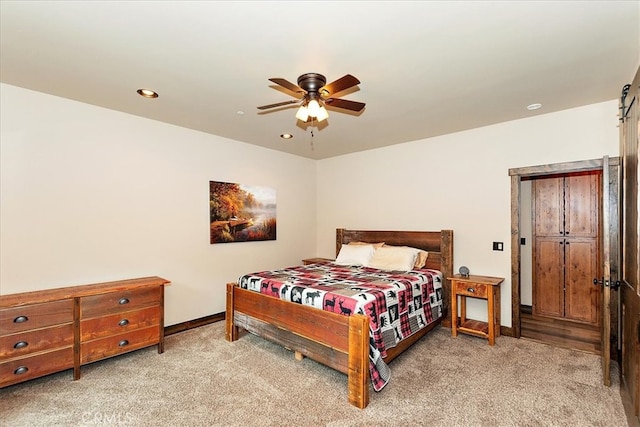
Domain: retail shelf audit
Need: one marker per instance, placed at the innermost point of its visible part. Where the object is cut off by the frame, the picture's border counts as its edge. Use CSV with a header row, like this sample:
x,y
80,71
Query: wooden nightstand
x,y
482,287
308,261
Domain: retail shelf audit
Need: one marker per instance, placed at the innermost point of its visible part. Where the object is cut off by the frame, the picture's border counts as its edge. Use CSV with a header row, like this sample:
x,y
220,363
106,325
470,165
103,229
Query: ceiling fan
x,y
313,94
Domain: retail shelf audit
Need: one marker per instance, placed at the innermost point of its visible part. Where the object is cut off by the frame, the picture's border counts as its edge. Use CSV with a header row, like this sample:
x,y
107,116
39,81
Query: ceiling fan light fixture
x,y
302,114
323,114
313,94
314,108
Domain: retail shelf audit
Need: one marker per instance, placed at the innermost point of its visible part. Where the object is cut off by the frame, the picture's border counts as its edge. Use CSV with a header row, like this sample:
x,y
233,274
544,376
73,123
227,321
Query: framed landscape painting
x,y
241,213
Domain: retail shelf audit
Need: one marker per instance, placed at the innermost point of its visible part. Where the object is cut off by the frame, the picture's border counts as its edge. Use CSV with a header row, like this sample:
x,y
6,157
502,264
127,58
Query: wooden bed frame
x,y
340,342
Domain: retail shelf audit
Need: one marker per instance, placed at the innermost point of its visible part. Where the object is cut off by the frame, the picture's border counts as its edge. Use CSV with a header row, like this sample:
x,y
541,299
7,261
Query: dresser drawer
x,y
110,346
17,370
27,342
100,327
17,319
478,290
118,302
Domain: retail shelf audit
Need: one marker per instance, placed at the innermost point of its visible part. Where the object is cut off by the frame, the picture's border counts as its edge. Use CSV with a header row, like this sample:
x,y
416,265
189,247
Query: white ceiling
x,y
426,68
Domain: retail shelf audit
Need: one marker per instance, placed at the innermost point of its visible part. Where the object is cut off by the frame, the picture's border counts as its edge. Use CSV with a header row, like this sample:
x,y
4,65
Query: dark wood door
x,y
548,196
581,267
548,298
606,277
565,256
581,205
630,274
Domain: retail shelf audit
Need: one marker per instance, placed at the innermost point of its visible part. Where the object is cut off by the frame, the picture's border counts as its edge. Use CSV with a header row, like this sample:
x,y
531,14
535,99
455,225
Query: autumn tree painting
x,y
240,213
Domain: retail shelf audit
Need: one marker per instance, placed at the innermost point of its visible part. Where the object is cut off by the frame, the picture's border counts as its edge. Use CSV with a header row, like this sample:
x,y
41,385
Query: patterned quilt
x,y
398,303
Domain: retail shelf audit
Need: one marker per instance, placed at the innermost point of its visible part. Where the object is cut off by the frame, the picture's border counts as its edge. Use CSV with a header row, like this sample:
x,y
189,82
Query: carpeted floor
x,y
202,380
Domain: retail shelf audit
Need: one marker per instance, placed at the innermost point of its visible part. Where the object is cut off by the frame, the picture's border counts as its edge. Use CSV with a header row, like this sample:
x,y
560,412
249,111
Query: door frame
x,y
517,174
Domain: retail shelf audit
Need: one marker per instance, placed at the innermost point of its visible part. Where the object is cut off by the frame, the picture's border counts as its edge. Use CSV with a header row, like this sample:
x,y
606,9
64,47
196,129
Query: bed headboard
x,y
439,244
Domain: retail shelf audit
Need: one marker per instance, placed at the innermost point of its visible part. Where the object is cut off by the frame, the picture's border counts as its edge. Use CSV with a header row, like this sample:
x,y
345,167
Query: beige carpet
x,y
202,380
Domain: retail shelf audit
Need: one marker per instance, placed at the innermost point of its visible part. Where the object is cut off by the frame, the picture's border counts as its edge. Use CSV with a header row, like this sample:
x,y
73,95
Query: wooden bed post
x,y
446,255
231,331
339,238
358,375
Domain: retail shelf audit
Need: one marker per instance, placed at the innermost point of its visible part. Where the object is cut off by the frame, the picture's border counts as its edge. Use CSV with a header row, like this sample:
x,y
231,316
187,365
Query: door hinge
x,y
613,285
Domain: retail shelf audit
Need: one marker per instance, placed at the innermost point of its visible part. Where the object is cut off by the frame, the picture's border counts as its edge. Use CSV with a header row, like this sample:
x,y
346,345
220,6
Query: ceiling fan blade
x,y
287,85
339,85
279,104
345,104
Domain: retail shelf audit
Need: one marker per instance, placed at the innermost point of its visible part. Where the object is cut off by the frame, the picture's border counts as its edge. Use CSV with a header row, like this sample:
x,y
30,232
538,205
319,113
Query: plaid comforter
x,y
398,303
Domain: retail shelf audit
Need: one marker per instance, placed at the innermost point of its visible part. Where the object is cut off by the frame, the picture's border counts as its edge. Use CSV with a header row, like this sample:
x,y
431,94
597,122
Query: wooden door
x,y
606,277
581,266
581,232
581,200
548,199
548,296
565,256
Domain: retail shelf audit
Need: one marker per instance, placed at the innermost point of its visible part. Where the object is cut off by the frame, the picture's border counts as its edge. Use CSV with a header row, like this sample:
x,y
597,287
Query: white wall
x,y
458,181
91,195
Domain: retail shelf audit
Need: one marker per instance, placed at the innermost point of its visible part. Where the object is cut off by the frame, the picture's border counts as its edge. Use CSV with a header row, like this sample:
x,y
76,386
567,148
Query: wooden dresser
x,y
48,331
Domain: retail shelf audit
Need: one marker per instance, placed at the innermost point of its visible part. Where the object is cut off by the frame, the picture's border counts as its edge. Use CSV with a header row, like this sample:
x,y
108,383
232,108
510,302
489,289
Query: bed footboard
x,y
340,342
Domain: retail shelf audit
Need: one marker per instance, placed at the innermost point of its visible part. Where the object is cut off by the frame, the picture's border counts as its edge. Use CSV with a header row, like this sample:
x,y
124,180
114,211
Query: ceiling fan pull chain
x,y
311,141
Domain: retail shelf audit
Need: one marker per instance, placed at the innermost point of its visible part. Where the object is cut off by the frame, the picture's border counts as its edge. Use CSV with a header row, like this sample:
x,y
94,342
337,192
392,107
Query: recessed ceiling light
x,y
147,93
286,136
535,106
240,113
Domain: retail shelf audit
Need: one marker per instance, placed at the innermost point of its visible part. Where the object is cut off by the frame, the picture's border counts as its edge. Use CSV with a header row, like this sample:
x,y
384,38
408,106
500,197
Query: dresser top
x,y
48,295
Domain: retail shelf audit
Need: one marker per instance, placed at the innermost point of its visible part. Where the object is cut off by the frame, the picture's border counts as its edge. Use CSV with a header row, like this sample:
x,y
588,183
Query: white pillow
x,y
421,257
355,254
401,258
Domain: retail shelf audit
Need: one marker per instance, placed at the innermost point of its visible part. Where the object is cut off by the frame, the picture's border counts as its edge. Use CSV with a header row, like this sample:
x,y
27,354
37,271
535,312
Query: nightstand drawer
x,y
478,290
100,327
119,302
27,342
35,316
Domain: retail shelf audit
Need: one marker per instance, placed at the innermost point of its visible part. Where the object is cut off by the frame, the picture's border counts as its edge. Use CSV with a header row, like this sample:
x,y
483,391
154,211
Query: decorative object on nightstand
x,y
481,287
464,271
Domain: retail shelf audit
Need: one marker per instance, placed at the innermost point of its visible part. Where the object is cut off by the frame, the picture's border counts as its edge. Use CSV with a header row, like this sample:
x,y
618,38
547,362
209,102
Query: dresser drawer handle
x,y
20,344
123,322
123,343
123,301
471,290
21,370
20,319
